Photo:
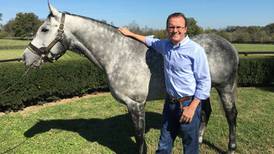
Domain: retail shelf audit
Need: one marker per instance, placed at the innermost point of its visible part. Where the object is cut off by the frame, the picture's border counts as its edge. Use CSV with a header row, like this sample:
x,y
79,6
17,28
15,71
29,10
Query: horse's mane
x,y
108,26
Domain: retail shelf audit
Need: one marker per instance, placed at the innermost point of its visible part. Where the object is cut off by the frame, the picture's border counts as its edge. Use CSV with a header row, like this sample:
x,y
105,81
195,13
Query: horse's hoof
x,y
231,152
232,148
200,140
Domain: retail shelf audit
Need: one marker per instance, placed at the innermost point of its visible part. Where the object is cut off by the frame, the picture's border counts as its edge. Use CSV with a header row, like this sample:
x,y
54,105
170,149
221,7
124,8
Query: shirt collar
x,y
183,42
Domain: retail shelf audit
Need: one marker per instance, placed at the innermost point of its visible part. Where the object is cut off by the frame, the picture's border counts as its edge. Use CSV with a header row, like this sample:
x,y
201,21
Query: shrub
x,y
78,76
256,72
63,79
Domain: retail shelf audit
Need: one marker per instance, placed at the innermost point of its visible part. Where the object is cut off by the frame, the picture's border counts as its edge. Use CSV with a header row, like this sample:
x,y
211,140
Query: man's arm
x,y
128,33
202,76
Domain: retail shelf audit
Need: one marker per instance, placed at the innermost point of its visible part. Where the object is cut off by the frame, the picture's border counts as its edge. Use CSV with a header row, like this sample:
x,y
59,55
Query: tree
x,y
134,27
193,28
24,25
0,23
2,33
269,28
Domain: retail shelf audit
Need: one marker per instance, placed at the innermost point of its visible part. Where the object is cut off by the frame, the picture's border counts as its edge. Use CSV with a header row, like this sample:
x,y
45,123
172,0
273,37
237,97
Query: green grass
x,y
7,42
11,44
7,50
101,125
254,47
14,53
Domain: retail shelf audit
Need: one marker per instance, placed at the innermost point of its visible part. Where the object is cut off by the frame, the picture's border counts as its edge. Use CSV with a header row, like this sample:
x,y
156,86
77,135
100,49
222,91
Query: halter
x,y
43,52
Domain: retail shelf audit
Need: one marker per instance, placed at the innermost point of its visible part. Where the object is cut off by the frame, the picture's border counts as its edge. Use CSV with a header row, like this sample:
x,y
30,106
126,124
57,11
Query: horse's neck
x,y
98,42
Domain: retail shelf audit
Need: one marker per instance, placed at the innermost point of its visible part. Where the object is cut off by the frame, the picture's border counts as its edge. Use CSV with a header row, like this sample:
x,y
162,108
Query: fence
x,y
246,53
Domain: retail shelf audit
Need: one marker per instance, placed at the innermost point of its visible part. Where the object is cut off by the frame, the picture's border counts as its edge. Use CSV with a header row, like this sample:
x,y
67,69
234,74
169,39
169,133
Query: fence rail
x,y
246,53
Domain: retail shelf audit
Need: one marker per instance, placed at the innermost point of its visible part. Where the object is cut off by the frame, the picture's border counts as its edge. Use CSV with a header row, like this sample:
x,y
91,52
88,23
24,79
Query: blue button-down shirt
x,y
185,66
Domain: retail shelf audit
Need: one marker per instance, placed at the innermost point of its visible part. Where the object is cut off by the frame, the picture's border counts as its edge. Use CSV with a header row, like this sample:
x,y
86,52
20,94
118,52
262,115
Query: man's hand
x,y
189,111
125,31
128,33
187,114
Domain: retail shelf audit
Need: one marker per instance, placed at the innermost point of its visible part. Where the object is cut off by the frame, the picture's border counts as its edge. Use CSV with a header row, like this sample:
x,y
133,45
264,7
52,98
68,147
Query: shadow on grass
x,y
114,133
270,89
214,147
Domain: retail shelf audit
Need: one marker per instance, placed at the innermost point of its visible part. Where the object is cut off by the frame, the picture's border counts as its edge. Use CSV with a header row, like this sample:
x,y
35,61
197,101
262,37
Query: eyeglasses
x,y
177,27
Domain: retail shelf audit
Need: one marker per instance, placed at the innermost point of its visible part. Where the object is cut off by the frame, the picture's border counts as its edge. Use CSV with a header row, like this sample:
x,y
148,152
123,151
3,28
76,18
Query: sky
x,y
152,13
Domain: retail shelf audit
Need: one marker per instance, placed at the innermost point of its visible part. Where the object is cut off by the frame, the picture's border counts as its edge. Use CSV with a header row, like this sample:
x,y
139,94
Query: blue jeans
x,y
189,132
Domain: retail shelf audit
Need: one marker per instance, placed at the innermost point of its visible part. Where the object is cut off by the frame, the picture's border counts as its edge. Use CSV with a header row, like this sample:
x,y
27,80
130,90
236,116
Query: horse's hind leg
x,y
206,111
228,99
137,114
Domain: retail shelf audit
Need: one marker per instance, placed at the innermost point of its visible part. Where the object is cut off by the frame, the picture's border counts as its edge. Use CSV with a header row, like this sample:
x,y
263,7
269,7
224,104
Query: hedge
x,y
76,77
256,72
53,81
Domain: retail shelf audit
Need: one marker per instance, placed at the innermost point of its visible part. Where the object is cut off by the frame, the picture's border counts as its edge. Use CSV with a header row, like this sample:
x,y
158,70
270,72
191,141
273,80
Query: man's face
x,y
176,29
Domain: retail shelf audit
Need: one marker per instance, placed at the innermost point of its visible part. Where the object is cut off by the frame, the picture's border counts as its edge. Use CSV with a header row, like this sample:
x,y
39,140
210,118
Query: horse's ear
x,y
53,11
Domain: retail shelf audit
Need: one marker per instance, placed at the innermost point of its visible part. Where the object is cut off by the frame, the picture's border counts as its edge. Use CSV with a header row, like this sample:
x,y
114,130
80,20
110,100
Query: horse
x,y
134,71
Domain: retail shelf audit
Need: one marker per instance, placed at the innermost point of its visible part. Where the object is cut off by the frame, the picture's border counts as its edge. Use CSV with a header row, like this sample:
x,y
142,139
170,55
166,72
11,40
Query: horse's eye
x,y
44,30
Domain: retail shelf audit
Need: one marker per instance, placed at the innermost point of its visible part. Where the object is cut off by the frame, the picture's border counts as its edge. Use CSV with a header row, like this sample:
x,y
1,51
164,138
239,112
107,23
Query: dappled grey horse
x,y
134,72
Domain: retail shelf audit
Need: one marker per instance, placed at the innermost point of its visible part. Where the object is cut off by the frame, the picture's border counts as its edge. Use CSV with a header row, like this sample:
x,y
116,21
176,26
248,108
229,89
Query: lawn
x,y
15,48
5,43
254,47
11,44
98,124
13,53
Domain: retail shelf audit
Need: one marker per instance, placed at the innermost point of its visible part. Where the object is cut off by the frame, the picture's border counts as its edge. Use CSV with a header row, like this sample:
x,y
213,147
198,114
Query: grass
x,y
7,50
13,53
101,125
15,48
8,44
254,47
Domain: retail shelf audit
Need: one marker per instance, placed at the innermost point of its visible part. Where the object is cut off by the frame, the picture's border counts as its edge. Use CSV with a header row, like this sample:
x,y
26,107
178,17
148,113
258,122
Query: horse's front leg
x,y
137,114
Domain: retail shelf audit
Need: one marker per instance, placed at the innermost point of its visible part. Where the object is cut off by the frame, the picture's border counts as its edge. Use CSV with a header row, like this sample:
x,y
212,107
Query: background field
x,y
6,43
254,47
15,48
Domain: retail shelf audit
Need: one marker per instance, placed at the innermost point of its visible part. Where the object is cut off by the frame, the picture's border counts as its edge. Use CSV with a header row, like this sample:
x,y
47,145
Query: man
x,y
187,81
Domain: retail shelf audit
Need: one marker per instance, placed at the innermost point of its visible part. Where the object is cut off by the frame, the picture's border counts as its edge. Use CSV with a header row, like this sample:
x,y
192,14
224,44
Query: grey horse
x,y
134,72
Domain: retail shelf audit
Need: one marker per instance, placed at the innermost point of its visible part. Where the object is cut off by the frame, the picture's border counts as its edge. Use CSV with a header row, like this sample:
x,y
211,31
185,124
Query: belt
x,y
183,101
172,99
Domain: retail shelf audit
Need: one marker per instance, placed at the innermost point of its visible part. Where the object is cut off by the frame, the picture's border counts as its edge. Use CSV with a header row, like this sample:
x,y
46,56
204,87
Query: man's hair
x,y
176,14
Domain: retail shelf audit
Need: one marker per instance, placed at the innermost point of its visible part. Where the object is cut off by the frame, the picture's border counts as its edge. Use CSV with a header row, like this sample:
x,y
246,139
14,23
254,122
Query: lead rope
x,y
25,73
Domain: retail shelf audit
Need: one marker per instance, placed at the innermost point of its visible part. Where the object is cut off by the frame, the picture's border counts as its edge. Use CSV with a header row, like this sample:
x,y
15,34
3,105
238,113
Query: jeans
x,y
171,128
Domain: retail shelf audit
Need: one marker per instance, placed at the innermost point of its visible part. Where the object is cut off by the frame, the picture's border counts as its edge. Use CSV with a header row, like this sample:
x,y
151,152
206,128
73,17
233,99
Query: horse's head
x,y
49,42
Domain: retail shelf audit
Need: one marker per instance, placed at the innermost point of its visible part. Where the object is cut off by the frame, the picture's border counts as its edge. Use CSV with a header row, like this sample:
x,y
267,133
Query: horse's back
x,y
222,58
